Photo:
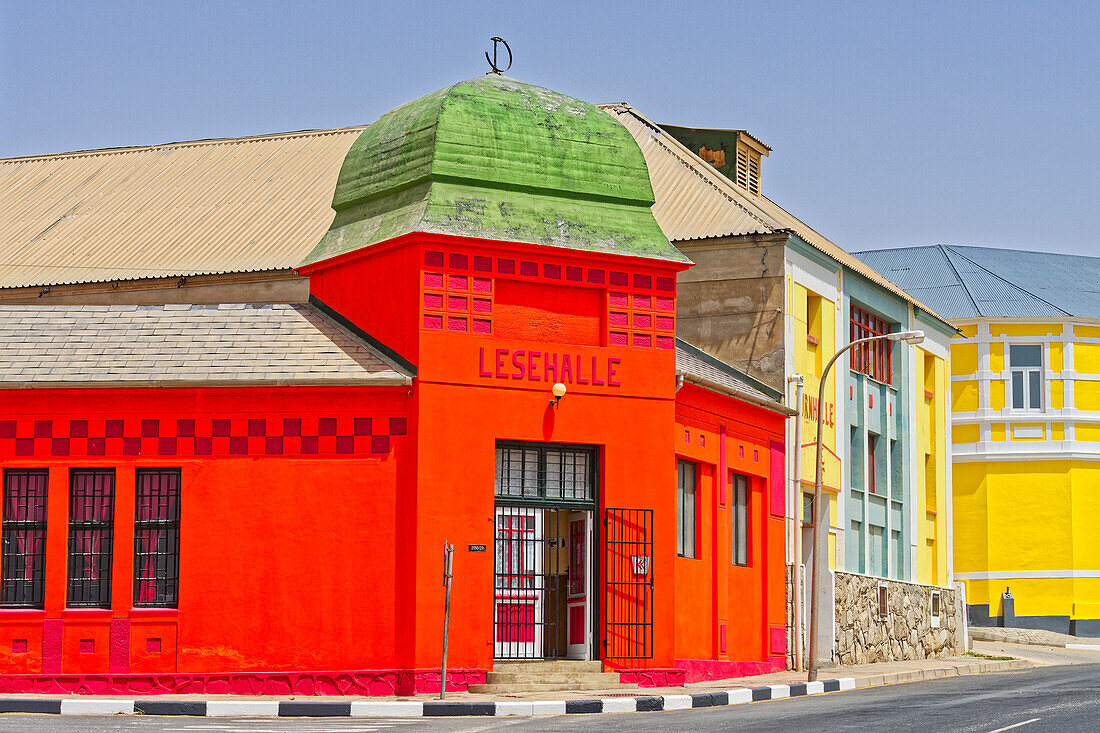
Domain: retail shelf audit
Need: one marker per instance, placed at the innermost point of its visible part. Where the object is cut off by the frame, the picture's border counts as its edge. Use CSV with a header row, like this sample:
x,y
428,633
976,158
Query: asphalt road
x,y
1029,701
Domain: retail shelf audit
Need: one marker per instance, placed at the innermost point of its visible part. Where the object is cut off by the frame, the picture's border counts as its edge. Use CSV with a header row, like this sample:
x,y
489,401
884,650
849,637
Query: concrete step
x,y
563,678
504,689
548,665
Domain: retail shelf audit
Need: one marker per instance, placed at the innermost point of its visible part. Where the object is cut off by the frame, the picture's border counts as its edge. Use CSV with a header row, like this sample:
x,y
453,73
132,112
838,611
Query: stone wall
x,y
862,637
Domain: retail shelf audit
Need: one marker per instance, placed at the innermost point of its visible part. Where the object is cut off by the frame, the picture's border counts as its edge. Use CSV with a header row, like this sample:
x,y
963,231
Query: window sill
x,y
165,613
15,613
89,613
869,378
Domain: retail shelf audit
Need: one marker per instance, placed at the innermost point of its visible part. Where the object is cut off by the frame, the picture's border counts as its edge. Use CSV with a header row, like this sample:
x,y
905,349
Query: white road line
x,y
1016,725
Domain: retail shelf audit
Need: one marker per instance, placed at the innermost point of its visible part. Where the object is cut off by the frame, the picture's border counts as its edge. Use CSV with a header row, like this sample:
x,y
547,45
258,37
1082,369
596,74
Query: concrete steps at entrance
x,y
548,665
547,676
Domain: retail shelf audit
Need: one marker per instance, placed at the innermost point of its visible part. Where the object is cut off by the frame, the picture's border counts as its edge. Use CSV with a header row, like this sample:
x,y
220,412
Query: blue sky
x,y
891,124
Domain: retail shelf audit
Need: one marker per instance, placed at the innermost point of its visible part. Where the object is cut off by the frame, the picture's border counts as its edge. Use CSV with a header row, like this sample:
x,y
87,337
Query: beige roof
x,y
695,201
100,345
212,206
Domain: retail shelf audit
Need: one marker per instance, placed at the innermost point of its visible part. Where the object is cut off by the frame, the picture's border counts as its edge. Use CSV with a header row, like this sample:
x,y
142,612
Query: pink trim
x,y
700,670
377,682
51,645
120,646
653,677
778,640
778,479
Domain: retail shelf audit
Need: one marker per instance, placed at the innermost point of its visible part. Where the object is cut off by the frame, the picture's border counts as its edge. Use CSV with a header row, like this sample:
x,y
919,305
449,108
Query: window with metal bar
x,y
91,537
685,501
872,358
553,472
739,489
157,538
23,562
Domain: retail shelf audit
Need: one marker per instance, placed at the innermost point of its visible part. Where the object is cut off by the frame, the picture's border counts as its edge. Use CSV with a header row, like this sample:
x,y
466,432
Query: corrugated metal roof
x,y
210,206
701,368
98,345
927,274
1066,283
695,201
968,282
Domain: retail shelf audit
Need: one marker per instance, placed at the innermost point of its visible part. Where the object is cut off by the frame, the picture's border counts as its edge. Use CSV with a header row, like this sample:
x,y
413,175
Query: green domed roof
x,y
495,158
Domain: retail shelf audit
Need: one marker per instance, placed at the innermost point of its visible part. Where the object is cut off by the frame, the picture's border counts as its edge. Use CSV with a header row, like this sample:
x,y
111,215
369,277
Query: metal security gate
x,y
628,607
542,589
528,587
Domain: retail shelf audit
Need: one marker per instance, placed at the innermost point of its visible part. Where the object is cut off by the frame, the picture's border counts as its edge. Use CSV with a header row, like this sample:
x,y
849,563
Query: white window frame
x,y
935,608
1025,372
882,601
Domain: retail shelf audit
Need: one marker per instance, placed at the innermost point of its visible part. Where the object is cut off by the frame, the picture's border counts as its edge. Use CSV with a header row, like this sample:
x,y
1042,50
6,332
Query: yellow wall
x,y
930,468
815,315
1004,524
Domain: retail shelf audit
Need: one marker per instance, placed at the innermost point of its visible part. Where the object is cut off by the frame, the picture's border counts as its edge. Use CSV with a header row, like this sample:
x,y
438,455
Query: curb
x,y
417,708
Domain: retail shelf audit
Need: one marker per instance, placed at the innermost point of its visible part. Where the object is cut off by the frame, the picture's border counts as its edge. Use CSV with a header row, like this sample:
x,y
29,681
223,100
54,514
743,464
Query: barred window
x,y
23,573
157,538
91,537
545,471
874,357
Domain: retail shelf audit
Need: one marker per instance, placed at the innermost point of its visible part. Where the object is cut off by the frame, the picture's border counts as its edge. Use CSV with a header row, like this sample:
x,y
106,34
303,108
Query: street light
x,y
909,337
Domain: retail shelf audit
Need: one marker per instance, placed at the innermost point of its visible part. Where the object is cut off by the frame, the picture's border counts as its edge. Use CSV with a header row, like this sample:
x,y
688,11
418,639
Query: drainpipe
x,y
794,493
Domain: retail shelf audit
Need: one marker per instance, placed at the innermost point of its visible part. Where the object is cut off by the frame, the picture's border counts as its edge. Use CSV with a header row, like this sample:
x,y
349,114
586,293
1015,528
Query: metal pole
x,y
448,556
818,552
796,534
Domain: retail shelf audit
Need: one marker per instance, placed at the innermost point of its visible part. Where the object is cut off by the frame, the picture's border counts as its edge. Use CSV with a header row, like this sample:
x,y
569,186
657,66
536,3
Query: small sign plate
x,y
476,548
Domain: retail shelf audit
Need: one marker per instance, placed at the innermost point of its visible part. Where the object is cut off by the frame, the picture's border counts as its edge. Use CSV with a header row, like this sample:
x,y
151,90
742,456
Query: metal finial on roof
x,y
493,67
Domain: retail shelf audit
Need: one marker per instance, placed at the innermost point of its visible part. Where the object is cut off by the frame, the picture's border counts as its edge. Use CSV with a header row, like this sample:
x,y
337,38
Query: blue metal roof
x,y
971,282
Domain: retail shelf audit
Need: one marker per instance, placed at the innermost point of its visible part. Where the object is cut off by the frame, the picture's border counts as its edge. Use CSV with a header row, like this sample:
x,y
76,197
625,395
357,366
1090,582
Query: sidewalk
x,y
1035,637
621,698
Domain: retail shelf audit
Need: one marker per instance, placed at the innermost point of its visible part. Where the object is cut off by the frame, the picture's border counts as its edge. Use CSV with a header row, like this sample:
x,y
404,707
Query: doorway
x,y
543,600
543,583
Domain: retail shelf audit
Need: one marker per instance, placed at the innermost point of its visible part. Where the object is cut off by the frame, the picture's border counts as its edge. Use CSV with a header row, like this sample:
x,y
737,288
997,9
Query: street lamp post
x,y
821,554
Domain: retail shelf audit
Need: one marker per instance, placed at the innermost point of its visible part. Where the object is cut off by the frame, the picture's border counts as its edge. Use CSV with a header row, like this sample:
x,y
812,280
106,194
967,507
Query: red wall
x,y
725,436
287,526
325,549
491,320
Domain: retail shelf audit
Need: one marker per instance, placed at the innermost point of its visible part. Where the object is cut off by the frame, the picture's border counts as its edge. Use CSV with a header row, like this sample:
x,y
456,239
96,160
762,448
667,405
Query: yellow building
x,y
1025,414
775,298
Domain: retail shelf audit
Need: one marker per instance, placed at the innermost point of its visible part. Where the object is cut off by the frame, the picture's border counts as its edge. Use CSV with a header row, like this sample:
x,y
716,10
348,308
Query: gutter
x,y
682,376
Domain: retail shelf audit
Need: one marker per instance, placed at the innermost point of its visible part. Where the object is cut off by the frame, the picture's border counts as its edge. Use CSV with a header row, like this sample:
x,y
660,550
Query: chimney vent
x,y
733,153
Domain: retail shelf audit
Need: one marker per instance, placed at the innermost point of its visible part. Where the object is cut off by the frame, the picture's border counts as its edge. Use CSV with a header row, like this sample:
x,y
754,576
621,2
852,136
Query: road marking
x,y
1087,647
1017,725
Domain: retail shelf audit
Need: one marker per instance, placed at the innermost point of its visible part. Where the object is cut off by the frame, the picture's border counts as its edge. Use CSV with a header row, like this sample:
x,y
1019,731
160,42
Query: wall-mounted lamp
x,y
559,391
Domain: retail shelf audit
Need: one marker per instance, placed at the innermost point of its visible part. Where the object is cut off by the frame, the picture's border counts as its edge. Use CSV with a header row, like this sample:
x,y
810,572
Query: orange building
x,y
239,473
